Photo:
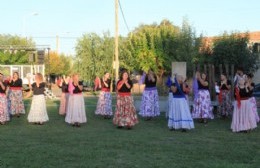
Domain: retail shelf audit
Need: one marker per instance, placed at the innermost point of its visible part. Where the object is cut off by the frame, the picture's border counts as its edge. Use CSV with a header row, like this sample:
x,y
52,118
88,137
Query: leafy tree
x,y
156,46
18,57
58,64
67,63
233,49
94,55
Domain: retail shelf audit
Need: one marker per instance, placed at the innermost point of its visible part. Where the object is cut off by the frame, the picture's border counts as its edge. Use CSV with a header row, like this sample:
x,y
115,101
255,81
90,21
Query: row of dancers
x,y
244,113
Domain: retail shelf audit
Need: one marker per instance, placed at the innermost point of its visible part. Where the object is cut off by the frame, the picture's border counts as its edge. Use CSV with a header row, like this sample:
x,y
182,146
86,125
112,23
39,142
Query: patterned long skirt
x,y
226,103
254,108
38,111
4,116
16,105
104,104
202,106
63,103
243,118
125,114
150,103
179,114
76,109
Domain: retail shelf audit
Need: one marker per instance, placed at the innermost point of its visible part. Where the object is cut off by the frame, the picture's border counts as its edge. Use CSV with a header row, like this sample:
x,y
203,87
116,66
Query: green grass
x,y
100,144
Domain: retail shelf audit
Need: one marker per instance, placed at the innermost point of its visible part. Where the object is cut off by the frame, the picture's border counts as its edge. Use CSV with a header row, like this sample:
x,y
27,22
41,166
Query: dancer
x,y
63,84
243,119
150,100
251,85
38,112
15,96
224,97
239,74
4,116
202,103
179,112
76,114
104,105
125,114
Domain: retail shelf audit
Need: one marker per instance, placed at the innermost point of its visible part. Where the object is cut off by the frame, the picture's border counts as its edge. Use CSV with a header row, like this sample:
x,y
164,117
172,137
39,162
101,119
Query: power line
x,y
53,37
123,16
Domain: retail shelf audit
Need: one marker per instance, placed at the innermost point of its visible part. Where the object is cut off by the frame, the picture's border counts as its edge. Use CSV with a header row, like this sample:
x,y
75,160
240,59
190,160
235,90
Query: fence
x,y
23,70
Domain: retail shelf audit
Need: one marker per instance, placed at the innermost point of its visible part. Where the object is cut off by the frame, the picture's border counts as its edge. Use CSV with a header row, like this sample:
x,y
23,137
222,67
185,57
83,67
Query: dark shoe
x,y
184,130
119,127
129,127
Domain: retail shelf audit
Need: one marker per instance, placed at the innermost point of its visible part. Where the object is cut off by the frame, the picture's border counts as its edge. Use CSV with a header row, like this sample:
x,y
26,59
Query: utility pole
x,y
116,63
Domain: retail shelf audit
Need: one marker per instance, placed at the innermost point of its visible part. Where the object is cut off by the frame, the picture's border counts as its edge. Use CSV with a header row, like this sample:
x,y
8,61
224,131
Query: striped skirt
x,y
4,115
38,111
243,118
150,103
63,103
16,105
202,106
104,104
179,114
76,109
125,114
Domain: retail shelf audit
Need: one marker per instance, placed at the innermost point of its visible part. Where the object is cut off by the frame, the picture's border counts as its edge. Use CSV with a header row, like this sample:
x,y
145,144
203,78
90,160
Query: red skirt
x,y
125,114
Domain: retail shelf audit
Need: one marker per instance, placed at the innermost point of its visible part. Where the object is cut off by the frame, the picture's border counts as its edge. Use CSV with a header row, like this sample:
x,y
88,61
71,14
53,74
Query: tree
x,y
148,46
58,64
18,57
233,49
156,46
94,55
66,62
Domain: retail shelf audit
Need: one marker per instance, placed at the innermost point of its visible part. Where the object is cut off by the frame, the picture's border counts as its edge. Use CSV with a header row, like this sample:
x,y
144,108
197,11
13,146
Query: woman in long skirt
x,y
4,116
125,114
104,104
38,112
64,95
251,86
15,96
76,113
150,100
179,112
243,119
202,104
224,97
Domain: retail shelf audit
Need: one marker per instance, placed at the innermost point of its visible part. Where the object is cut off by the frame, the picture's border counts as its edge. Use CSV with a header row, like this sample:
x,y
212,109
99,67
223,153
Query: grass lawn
x,y
100,144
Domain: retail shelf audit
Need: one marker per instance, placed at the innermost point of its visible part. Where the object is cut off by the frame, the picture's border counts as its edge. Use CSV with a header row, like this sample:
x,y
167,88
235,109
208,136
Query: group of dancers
x,y
243,110
180,116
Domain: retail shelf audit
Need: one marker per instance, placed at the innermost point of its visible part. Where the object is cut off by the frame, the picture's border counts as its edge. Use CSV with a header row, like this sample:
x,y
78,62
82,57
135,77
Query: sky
x,y
43,20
